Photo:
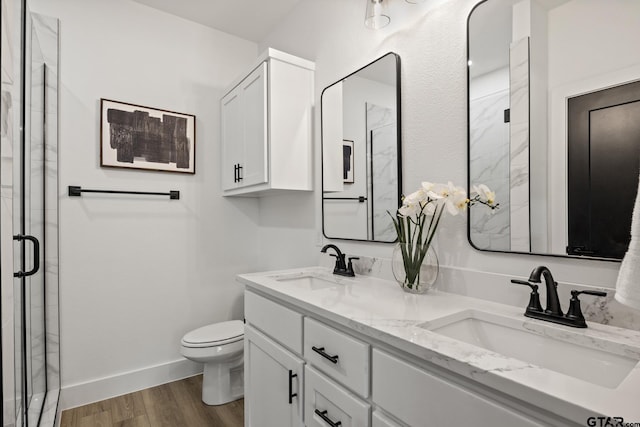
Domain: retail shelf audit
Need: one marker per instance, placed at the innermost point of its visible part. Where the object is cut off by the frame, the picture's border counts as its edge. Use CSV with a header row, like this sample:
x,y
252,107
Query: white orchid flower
x,y
431,190
487,194
456,200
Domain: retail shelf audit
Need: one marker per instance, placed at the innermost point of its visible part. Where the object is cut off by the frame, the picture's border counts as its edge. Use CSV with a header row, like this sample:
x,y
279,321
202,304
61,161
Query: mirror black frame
x,y
399,142
469,173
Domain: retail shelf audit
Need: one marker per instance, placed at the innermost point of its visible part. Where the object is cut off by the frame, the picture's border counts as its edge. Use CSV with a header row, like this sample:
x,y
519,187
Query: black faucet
x,y
553,312
341,268
553,303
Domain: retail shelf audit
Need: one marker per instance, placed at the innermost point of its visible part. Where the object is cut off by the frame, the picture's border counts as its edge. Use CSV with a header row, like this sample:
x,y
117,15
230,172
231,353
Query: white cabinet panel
x,y
378,419
280,323
253,165
231,123
338,355
419,398
326,402
273,383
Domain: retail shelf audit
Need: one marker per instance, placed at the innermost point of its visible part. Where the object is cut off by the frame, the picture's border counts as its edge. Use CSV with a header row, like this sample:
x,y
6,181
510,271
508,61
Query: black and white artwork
x,y
347,161
137,137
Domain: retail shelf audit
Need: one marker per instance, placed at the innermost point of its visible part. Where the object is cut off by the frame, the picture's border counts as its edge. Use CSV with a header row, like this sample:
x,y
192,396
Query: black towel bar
x,y
76,191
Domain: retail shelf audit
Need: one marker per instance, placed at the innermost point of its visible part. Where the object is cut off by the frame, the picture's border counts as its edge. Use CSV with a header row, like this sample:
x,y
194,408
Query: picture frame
x,y
347,165
137,137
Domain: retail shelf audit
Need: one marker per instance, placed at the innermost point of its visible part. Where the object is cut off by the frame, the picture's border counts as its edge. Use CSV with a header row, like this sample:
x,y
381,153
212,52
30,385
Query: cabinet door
x,y
253,165
273,383
232,137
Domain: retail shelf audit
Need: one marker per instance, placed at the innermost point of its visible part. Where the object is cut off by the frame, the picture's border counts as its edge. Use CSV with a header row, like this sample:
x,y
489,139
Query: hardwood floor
x,y
176,404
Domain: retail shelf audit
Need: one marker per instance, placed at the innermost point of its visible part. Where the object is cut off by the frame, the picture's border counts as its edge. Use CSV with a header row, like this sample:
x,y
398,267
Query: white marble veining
x,y
489,165
382,175
381,310
519,151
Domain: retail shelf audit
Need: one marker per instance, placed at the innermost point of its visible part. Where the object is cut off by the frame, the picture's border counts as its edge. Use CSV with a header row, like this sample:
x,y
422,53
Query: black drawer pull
x,y
320,351
291,393
323,415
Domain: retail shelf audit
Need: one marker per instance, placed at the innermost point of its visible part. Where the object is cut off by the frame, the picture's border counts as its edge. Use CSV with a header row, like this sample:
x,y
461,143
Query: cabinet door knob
x,y
326,419
291,393
321,352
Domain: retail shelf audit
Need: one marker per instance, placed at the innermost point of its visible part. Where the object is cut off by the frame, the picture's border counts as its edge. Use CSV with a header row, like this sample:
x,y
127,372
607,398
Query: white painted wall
x,y
431,42
136,273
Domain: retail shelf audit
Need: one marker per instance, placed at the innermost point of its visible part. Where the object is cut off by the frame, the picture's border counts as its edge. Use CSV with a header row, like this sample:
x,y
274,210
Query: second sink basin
x,y
591,359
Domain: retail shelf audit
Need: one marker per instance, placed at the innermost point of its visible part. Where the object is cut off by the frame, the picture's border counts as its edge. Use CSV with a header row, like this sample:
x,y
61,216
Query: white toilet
x,y
220,347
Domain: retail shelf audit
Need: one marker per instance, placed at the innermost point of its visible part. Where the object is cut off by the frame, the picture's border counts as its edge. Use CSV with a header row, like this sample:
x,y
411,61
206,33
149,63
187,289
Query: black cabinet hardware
x,y
291,393
76,191
326,419
321,352
240,177
235,173
36,255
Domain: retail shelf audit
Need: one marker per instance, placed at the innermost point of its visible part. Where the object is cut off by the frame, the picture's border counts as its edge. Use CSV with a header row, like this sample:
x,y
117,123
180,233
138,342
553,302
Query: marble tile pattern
x,y
519,151
489,165
382,145
47,30
380,310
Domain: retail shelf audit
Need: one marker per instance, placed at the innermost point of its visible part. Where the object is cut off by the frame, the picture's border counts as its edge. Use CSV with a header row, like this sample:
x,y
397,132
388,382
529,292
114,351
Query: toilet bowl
x,y
220,348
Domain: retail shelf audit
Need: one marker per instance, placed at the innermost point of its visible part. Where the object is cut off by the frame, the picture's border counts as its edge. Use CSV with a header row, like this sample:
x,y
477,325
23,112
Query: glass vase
x,y
414,277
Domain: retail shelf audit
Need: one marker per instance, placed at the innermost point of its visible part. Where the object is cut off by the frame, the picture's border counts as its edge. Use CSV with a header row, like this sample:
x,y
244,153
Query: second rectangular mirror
x,y
361,164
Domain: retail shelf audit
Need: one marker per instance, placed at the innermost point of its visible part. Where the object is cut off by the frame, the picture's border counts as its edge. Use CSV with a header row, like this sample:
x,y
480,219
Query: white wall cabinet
x,y
350,380
266,120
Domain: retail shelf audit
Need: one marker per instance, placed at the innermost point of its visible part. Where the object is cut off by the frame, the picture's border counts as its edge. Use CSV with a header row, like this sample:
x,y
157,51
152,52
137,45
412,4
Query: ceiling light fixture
x,y
375,16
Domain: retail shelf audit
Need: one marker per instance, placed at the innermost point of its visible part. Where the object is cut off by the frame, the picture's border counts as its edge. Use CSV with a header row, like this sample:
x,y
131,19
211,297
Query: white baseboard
x,y
74,395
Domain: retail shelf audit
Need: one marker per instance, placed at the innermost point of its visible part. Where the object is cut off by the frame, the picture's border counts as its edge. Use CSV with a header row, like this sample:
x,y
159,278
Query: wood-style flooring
x,y
176,404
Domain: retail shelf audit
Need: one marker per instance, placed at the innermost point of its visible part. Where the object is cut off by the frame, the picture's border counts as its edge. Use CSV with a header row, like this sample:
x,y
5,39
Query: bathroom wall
x,y
431,40
136,273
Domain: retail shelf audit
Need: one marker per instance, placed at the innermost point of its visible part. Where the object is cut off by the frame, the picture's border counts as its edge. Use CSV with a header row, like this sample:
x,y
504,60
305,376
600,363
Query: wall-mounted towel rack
x,y
76,191
360,199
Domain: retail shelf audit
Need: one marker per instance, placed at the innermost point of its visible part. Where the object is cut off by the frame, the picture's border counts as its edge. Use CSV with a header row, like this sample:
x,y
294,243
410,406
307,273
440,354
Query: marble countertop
x,y
381,310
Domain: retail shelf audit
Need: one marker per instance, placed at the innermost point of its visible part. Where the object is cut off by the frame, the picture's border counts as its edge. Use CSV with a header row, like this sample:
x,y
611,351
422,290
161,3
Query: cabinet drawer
x,y
338,355
419,398
280,323
325,402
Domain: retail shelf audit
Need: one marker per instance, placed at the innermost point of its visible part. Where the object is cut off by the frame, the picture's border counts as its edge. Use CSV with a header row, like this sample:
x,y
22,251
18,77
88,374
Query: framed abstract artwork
x,y
347,158
137,137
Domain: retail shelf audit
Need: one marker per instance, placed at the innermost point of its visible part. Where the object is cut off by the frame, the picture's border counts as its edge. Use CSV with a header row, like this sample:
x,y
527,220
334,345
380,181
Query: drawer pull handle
x,y
291,393
321,352
323,415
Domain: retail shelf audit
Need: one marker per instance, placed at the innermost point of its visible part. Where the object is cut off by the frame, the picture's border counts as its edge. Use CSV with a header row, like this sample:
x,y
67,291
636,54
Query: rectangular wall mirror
x,y
361,164
554,124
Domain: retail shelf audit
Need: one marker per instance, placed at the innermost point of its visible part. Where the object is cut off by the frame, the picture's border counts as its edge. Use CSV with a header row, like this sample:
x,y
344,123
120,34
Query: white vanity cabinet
x,y
342,377
266,124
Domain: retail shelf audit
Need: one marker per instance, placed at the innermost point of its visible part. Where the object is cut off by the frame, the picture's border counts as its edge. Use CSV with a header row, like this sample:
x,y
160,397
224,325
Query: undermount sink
x,y
308,281
591,359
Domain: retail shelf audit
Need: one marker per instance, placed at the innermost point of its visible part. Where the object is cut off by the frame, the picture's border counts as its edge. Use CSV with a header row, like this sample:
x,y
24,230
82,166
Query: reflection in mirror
x,y
361,176
554,124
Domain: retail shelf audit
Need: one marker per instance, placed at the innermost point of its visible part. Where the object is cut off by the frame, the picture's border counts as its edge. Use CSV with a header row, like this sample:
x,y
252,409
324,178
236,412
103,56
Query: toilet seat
x,y
217,334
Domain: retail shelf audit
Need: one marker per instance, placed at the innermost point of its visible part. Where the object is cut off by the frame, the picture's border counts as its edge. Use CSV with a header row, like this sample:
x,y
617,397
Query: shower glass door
x,y
29,226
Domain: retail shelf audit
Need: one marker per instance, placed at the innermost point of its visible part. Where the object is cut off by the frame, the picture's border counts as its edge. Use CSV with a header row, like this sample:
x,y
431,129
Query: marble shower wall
x,y
46,29
382,145
519,155
489,165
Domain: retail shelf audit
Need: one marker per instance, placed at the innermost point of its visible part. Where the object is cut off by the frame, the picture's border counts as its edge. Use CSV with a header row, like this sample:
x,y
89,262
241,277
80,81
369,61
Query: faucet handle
x,y
575,313
534,297
350,266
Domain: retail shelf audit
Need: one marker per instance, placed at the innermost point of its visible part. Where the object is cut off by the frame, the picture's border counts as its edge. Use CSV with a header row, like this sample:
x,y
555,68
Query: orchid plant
x,y
417,220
